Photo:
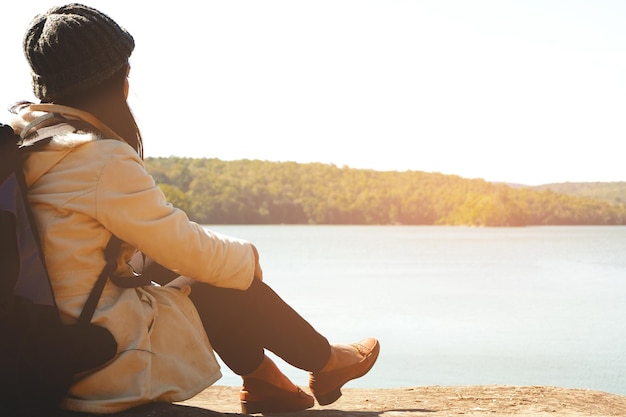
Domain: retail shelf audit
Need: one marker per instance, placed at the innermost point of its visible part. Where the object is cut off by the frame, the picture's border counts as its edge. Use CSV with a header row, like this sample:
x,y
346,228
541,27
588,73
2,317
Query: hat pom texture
x,y
73,48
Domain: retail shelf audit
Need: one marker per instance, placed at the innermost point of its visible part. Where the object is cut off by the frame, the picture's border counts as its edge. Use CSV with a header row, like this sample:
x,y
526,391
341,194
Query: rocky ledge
x,y
431,401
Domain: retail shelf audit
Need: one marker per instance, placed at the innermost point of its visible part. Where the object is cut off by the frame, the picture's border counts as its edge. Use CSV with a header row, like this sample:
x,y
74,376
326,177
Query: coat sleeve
x,y
131,206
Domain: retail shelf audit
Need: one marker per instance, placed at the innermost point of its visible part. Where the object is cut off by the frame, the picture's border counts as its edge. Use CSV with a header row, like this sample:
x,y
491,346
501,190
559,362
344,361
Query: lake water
x,y
456,305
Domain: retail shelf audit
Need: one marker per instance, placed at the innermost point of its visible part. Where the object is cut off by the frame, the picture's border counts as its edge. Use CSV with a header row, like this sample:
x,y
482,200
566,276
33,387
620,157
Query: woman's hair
x,y
107,102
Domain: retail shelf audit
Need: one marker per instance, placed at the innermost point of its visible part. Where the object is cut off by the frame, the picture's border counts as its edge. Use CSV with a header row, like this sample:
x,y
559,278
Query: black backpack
x,y
39,356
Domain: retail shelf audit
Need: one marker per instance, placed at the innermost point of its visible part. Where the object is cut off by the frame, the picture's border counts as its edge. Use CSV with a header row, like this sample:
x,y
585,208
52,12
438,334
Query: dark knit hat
x,y
72,48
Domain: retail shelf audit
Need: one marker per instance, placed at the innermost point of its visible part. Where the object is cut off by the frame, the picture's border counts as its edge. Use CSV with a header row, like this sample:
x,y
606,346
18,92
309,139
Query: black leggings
x,y
241,324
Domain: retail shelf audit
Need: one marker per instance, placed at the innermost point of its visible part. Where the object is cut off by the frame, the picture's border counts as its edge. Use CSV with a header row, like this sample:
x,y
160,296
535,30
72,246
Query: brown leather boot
x,y
259,396
326,384
267,390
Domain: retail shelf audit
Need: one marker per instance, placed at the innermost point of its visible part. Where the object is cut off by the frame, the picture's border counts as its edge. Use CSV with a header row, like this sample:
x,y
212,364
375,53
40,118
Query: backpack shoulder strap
x,y
110,252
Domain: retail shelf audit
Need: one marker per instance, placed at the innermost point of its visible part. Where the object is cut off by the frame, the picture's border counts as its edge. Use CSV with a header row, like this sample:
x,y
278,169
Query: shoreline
x,y
439,401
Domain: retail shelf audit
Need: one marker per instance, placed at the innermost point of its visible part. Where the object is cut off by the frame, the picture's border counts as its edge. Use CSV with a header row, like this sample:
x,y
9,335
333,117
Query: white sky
x,y
521,91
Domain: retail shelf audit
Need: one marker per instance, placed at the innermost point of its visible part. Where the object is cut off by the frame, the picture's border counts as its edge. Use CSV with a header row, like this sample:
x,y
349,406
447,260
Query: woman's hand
x,y
258,272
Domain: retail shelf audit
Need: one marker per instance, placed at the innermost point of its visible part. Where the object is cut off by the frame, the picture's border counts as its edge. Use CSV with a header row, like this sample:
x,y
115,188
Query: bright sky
x,y
524,91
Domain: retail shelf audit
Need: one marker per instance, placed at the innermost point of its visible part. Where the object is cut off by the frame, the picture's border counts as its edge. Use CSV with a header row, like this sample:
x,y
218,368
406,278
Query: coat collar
x,y
38,121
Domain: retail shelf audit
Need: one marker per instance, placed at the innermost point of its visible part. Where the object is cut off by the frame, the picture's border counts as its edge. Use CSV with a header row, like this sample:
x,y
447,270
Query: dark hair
x,y
107,102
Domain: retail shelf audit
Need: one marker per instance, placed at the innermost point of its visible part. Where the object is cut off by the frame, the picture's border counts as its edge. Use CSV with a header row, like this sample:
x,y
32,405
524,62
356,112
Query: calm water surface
x,y
459,306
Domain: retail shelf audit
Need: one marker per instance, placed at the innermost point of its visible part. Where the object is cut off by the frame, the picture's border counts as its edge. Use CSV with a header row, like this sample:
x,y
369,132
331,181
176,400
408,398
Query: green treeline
x,y
212,191
614,192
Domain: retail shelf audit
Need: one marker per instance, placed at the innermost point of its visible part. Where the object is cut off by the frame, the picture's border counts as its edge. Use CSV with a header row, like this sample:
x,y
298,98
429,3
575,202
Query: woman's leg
x,y
242,324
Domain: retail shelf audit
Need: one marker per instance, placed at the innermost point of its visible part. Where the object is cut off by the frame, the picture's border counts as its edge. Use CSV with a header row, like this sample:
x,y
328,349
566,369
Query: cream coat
x,y
82,189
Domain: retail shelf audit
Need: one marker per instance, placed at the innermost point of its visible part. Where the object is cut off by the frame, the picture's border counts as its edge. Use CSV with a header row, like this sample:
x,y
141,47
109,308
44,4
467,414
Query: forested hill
x,y
614,192
212,191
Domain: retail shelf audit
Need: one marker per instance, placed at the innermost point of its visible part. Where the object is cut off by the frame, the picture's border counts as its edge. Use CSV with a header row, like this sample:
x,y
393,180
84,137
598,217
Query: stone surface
x,y
435,401
432,401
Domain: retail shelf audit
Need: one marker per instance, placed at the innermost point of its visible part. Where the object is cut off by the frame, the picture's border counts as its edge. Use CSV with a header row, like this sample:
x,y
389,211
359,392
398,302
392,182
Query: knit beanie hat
x,y
72,48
